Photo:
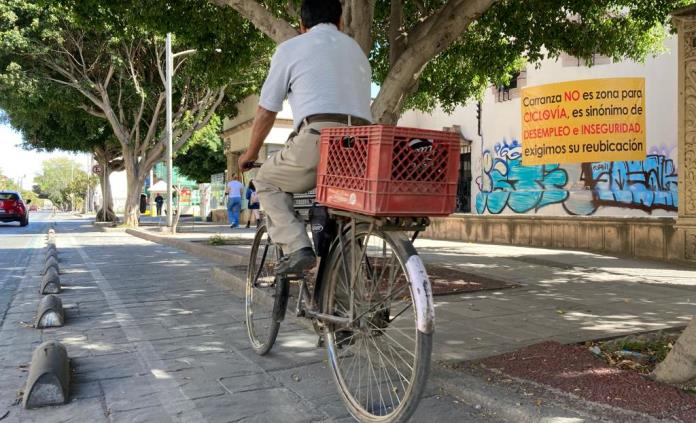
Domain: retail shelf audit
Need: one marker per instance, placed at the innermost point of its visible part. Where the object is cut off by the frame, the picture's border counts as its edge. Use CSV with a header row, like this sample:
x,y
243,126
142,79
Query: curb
x,y
523,401
226,258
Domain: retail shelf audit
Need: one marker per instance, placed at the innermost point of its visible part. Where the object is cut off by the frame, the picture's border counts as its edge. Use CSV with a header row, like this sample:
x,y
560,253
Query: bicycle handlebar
x,y
252,165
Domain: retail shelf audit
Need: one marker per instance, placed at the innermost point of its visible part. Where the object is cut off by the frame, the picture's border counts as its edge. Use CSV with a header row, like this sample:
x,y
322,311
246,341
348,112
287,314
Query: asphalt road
x,y
15,247
153,339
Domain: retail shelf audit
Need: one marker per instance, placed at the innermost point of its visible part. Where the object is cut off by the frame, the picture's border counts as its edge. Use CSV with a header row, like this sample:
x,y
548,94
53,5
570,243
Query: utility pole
x,y
168,128
169,74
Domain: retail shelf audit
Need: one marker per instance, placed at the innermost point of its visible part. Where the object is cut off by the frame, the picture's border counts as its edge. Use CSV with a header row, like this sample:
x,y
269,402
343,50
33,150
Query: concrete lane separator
x,y
50,312
50,283
169,392
52,252
51,263
49,376
217,255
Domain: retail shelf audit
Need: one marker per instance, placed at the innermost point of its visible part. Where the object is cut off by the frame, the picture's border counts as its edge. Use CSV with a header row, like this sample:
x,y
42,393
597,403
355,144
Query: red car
x,y
12,208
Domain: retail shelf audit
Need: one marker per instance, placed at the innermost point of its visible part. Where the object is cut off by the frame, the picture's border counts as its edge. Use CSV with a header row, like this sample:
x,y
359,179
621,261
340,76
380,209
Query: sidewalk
x,y
564,296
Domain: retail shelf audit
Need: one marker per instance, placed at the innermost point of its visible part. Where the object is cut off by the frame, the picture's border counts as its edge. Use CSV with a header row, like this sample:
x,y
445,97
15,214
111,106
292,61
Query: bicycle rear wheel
x,y
381,361
266,294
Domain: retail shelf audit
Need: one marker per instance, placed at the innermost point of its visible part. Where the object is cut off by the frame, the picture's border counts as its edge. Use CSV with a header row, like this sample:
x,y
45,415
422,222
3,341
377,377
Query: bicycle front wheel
x,y
266,294
381,360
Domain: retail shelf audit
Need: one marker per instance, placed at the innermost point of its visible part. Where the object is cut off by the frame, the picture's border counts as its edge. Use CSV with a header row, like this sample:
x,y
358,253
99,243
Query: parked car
x,y
13,208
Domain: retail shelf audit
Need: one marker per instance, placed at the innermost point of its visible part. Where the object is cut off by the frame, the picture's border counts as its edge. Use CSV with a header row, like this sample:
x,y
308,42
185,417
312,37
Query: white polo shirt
x,y
320,71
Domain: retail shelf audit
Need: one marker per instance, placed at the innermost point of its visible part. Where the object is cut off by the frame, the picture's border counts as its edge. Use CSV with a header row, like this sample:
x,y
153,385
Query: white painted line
x,y
172,398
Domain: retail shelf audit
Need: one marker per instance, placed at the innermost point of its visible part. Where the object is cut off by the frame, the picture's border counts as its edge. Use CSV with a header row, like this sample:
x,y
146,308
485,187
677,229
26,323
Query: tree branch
x,y
152,127
397,42
291,8
92,111
277,29
360,27
425,41
420,6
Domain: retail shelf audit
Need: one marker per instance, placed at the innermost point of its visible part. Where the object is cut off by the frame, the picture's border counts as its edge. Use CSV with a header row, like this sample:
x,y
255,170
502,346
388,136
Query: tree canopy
x,y
204,154
63,181
443,52
111,55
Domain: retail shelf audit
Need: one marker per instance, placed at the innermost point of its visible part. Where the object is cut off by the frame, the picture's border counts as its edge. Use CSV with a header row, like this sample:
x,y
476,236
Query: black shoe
x,y
297,262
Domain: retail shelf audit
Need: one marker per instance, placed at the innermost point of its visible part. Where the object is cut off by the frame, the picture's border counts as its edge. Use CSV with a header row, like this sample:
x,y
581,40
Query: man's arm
x,y
263,123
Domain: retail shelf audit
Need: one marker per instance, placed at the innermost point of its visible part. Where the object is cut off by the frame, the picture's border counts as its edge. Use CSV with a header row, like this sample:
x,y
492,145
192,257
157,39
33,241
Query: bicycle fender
x,y
422,294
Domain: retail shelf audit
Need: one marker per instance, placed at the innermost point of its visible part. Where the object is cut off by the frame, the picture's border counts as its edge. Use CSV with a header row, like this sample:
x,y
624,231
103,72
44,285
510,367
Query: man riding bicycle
x,y
326,77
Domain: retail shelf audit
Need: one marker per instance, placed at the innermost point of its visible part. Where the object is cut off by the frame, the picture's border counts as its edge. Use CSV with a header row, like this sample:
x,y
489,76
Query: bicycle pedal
x,y
294,276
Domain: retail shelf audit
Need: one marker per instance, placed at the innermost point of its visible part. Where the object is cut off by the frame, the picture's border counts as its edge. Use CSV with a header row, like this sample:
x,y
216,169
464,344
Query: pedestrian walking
x,y
253,204
159,200
233,191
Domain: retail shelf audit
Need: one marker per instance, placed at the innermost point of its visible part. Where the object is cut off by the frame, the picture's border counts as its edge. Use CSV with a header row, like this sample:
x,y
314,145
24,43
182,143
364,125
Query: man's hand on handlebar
x,y
247,160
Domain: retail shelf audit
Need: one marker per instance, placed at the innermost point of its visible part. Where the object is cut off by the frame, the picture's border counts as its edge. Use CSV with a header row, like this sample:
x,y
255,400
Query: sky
x,y
17,163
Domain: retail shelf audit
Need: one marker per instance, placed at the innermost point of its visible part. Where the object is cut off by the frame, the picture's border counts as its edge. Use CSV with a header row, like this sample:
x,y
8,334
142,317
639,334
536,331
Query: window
x,y
568,60
511,90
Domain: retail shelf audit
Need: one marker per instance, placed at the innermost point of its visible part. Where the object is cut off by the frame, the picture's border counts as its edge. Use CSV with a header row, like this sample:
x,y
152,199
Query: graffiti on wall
x,y
643,185
505,183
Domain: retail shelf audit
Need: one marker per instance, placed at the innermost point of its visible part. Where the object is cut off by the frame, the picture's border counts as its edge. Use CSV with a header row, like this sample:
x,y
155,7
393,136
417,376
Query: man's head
x,y
316,12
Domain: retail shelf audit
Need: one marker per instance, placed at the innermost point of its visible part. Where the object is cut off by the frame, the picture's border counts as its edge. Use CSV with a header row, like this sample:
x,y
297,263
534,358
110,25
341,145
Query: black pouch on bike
x,y
323,229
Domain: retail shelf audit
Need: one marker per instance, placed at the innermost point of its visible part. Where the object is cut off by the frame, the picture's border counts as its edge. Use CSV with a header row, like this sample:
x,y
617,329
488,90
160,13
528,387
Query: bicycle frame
x,y
346,222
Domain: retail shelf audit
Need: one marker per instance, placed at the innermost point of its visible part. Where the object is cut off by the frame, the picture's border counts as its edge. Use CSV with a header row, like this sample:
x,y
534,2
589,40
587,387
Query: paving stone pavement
x,y
153,339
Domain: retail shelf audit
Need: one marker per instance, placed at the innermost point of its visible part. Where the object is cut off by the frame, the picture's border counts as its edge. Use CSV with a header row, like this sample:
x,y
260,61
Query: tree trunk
x,y
132,209
680,364
106,212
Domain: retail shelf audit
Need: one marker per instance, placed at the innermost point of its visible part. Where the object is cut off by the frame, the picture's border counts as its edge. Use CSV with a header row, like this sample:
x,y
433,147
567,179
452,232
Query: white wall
x,y
119,187
500,127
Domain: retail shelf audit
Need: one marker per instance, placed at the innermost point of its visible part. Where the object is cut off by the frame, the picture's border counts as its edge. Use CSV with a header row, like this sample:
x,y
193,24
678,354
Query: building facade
x,y
621,207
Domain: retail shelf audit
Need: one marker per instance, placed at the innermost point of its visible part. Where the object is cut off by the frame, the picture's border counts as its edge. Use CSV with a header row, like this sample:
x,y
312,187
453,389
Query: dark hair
x,y
315,12
251,185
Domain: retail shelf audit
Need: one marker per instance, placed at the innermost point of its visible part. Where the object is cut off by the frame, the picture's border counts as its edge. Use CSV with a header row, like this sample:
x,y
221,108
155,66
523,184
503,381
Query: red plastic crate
x,y
382,170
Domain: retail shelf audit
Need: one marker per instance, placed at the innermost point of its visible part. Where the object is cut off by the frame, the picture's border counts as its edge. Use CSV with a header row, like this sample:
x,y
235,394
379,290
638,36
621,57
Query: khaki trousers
x,y
292,170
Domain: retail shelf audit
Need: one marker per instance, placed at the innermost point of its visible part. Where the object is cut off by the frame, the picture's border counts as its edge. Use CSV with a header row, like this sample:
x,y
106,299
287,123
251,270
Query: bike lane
x,y
153,338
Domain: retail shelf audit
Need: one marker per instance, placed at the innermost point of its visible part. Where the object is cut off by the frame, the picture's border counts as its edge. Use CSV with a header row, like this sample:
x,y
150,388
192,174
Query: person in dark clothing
x,y
143,203
159,200
253,204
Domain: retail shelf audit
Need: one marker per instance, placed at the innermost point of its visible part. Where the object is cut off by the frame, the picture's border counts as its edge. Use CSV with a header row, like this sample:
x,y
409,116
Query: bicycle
x,y
369,299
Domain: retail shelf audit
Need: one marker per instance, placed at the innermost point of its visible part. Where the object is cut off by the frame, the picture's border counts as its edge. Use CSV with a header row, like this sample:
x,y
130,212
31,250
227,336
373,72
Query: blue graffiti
x,y
506,183
645,185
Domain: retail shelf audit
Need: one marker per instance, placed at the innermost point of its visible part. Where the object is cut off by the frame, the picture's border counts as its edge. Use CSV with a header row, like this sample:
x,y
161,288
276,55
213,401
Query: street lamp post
x,y
168,129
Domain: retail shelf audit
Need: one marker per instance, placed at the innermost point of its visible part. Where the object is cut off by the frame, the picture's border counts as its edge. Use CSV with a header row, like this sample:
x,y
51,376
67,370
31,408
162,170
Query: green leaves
x,y
204,154
514,32
62,181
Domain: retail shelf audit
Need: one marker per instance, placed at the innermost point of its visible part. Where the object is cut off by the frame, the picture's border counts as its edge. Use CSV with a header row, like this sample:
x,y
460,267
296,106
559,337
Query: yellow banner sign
x,y
594,120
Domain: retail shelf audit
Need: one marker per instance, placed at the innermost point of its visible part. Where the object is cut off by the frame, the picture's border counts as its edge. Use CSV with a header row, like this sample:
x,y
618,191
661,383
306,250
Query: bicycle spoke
x,y
383,356
261,293
378,360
